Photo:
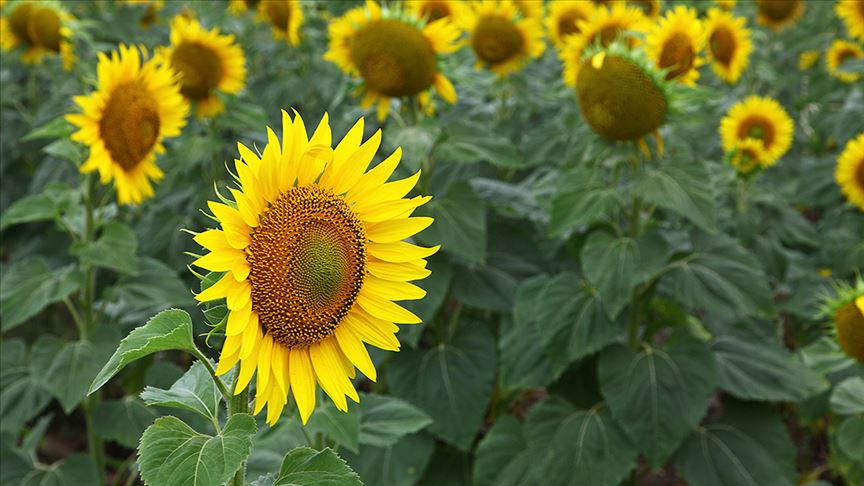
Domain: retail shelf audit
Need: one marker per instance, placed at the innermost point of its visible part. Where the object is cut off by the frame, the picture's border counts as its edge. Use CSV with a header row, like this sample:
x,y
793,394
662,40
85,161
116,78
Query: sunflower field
x,y
432,242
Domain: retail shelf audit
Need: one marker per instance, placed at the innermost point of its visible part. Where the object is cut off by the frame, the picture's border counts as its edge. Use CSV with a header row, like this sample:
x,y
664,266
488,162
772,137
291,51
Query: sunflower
x,y
125,121
502,40
846,309
395,54
778,14
852,13
850,171
432,10
284,16
760,119
727,5
651,8
41,29
840,52
207,61
674,44
807,59
529,8
563,19
151,14
748,155
728,42
604,26
314,258
238,7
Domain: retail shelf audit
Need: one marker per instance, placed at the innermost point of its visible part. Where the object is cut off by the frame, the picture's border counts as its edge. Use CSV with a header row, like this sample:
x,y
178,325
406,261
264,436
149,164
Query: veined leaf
x,y
848,397
582,199
114,249
123,421
29,286
400,464
682,186
384,420
76,364
307,467
194,391
460,223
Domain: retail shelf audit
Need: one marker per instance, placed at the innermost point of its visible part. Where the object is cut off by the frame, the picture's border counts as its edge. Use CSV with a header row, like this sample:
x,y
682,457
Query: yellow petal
x,y
388,192
392,290
356,164
239,294
279,364
401,272
400,251
264,355
329,372
238,320
302,381
354,349
378,175
385,309
372,330
397,229
251,341
218,290
212,239
236,230
400,208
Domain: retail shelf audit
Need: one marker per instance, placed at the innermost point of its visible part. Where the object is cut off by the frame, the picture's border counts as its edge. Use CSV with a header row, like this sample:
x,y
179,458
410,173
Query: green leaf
x,y
682,186
615,265
172,453
848,397
77,363
307,467
523,364
194,391
451,382
850,438
66,149
123,421
22,395
501,457
384,420
401,464
77,469
344,428
658,395
154,288
170,329
477,143
756,370
56,128
460,223
28,286
49,205
114,249
582,198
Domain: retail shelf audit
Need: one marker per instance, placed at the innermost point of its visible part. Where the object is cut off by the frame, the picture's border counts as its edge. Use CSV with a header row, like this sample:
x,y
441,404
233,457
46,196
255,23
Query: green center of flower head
x,y
394,58
722,44
850,330
199,67
618,99
44,28
496,40
19,21
778,10
130,124
278,13
677,54
307,263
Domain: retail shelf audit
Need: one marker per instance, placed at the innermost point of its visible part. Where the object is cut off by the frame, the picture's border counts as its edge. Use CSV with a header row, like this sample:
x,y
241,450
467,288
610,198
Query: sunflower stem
x,y
238,403
218,381
94,442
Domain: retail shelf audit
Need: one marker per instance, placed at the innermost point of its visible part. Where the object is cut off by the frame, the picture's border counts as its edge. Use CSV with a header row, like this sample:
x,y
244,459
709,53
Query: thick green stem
x,y
94,442
218,381
239,403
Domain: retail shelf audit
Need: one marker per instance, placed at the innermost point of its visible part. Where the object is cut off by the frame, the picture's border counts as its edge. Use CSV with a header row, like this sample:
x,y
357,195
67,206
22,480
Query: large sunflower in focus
x,y
432,10
136,106
761,119
850,171
674,44
394,54
778,14
207,61
852,13
41,29
285,18
502,39
728,44
840,52
314,258
563,19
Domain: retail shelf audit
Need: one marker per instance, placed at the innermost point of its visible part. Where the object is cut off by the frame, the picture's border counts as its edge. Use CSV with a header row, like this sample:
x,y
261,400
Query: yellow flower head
x,y
840,52
778,14
852,13
727,5
238,7
41,29
529,8
207,61
136,106
846,309
761,119
807,59
728,44
748,155
651,8
151,14
396,55
563,19
432,10
312,246
285,18
604,26
850,171
674,44
503,40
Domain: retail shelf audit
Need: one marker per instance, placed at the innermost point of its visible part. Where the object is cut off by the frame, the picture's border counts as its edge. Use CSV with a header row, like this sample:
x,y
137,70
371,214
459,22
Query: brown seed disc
x,y
496,40
850,331
200,68
130,124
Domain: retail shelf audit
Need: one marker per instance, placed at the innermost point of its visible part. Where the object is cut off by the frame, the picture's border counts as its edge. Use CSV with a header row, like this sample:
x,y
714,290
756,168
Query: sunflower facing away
x,y
136,106
285,18
852,13
314,258
850,171
41,29
748,155
761,119
502,39
563,19
840,52
394,53
728,44
207,61
674,44
432,10
778,14
846,310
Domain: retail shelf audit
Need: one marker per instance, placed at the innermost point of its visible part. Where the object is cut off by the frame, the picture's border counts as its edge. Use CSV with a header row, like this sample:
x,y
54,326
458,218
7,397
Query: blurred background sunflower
x,y
564,18
728,44
778,14
40,29
840,52
852,14
432,10
758,118
674,44
850,171
502,39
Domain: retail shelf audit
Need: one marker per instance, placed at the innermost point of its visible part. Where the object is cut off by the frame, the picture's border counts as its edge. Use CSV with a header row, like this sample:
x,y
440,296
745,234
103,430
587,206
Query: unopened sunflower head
x,y
312,246
41,29
124,122
207,62
674,44
840,52
502,38
845,308
728,44
850,171
778,14
758,118
562,21
852,13
395,54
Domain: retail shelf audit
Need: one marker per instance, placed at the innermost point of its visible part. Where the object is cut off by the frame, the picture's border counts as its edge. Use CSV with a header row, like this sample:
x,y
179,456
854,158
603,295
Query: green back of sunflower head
x,y
846,309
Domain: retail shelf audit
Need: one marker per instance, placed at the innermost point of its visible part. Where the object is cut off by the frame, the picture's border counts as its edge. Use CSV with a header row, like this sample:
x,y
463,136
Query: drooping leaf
x,y
400,464
460,223
384,420
123,420
194,391
73,368
682,186
343,428
22,395
307,467
848,396
581,199
154,288
29,286
850,438
501,457
523,364
47,206
114,249
476,143
76,469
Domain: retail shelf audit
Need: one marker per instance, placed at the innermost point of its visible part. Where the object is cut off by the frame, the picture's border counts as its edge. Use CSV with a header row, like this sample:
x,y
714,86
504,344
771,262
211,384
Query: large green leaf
x,y
75,470
154,288
581,199
384,420
49,205
170,329
523,364
400,464
848,397
194,391
850,438
615,265
682,186
29,286
307,467
658,395
501,457
172,453
473,142
114,249
123,421
756,370
74,367
343,428
22,395
451,382
460,223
